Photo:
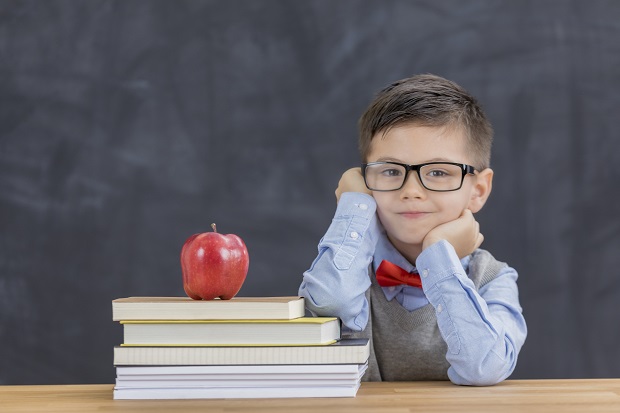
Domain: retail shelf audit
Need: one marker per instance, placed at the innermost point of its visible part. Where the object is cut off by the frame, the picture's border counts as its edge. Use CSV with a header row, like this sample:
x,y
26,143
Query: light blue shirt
x,y
488,322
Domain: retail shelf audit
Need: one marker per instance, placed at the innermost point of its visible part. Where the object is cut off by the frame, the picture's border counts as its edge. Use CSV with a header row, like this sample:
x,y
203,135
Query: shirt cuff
x,y
438,262
356,204
352,228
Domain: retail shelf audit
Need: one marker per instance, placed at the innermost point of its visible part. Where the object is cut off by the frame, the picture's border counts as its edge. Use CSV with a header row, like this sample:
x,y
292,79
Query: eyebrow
x,y
390,159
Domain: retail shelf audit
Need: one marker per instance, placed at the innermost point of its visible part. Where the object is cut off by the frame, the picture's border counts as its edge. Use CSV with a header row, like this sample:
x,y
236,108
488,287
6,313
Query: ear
x,y
481,190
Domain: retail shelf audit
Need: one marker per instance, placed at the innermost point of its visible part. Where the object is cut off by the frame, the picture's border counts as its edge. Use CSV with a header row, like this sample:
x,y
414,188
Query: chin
x,y
405,239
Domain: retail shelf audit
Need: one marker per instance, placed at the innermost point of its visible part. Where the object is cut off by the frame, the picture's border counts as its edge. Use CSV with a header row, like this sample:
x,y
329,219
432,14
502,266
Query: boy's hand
x,y
351,181
463,233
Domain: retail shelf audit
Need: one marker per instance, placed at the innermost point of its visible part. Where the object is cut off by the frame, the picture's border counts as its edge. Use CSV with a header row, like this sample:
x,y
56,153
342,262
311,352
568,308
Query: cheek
x,y
454,207
383,200
383,203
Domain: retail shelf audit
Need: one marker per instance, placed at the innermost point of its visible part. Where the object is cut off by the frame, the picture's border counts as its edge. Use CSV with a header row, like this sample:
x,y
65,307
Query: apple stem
x,y
214,227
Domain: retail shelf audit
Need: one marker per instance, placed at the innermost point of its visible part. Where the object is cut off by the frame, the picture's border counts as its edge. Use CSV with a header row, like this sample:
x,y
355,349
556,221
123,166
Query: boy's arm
x,y
484,329
336,283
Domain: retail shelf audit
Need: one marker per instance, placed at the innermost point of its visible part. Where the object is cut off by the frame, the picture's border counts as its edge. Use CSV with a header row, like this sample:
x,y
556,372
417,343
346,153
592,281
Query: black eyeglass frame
x,y
465,169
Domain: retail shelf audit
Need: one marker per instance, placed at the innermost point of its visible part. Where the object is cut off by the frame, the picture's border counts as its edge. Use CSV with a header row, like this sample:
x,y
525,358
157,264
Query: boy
x,y
426,145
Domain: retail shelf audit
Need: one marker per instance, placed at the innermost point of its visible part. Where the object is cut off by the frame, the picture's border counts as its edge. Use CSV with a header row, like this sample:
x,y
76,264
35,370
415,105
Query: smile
x,y
412,214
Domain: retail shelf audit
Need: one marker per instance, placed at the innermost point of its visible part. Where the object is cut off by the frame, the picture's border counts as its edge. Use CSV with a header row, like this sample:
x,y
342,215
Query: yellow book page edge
x,y
326,343
141,300
302,320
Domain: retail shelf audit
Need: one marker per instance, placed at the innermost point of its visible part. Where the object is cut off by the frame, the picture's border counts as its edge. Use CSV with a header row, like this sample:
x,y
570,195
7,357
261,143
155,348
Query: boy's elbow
x,y
348,308
330,306
323,299
489,374
476,380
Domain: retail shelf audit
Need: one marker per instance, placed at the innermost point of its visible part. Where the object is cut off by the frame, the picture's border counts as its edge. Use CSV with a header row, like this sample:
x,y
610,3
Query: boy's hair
x,y
428,100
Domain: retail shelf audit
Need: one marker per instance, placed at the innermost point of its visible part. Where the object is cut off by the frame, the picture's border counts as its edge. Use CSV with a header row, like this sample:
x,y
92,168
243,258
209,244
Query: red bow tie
x,y
389,275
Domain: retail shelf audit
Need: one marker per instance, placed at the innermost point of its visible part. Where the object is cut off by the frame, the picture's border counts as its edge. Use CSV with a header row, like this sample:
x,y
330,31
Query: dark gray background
x,y
126,126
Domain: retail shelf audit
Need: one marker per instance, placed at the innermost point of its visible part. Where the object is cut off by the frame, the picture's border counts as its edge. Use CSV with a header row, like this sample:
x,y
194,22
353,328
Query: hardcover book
x,y
345,351
178,382
184,308
299,331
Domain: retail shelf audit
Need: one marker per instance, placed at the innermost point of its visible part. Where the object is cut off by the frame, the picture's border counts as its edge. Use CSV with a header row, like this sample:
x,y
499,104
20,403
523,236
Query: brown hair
x,y
428,100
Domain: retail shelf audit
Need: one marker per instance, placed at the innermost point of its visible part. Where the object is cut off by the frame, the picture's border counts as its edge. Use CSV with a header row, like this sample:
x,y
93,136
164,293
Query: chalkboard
x,y
127,126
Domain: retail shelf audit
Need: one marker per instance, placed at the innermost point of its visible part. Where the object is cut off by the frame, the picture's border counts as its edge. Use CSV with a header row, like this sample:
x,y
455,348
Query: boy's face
x,y
409,213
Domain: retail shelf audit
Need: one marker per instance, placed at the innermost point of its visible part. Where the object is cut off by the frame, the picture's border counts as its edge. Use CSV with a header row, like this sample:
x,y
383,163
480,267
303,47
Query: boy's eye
x,y
438,173
391,172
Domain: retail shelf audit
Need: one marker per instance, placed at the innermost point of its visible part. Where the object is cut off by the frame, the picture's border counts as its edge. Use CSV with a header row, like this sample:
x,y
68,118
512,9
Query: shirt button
x,y
425,273
363,207
439,308
355,235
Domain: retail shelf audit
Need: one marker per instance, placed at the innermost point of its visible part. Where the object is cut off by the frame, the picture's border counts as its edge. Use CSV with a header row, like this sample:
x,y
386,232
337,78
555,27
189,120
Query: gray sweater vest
x,y
407,346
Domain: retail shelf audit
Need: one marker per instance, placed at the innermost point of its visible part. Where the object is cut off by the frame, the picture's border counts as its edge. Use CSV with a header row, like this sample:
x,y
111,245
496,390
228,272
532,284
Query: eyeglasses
x,y
434,176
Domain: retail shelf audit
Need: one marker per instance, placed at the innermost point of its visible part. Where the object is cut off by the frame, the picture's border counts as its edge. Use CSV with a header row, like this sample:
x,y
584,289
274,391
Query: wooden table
x,y
531,396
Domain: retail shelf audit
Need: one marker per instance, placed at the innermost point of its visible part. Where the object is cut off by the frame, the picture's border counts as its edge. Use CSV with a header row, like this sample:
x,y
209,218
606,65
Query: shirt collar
x,y
386,251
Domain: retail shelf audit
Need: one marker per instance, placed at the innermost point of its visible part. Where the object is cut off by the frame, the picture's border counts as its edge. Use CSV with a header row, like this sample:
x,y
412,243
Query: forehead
x,y
410,143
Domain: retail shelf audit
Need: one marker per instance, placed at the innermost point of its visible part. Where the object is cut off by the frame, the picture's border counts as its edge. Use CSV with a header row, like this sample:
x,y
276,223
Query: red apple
x,y
214,265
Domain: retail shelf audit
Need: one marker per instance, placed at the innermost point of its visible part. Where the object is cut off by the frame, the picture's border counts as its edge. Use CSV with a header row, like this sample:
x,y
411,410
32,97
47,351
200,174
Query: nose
x,y
413,187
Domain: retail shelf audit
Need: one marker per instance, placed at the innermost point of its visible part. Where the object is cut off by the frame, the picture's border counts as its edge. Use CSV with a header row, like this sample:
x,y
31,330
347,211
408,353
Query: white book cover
x,y
196,382
243,376
166,384
184,308
238,369
281,379
236,392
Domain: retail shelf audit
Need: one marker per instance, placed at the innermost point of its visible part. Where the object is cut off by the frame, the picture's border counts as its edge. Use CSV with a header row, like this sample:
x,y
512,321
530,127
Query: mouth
x,y
412,214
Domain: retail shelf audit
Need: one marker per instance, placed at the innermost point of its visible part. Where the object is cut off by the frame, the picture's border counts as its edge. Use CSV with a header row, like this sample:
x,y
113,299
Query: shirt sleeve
x,y
336,283
484,329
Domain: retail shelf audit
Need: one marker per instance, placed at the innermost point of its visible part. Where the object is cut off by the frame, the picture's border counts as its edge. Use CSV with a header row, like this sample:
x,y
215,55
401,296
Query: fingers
x,y
479,241
467,214
342,183
351,181
477,237
338,193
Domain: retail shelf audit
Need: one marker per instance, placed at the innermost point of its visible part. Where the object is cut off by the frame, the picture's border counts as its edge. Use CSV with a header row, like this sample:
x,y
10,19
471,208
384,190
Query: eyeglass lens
x,y
436,177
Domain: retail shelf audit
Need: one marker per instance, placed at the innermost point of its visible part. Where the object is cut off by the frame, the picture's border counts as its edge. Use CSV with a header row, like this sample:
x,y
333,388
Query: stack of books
x,y
259,347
